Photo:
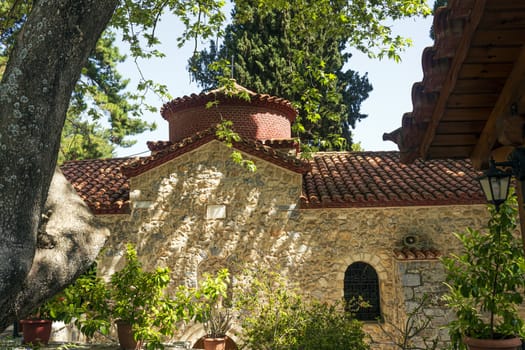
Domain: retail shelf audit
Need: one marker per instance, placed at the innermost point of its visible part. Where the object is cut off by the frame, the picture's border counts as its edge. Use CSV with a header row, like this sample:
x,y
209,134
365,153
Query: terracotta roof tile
x,y
103,183
170,151
417,254
154,146
330,180
256,99
378,179
100,183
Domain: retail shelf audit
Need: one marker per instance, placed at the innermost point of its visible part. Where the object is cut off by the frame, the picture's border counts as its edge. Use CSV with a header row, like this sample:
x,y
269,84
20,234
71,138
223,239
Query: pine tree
x,y
101,112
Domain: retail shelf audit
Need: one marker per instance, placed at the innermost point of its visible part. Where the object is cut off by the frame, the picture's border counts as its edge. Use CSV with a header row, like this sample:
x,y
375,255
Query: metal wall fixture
x,y
495,182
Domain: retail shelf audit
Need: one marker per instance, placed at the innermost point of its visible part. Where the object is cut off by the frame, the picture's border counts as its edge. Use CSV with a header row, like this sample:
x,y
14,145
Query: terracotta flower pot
x,y
125,336
492,344
214,343
36,331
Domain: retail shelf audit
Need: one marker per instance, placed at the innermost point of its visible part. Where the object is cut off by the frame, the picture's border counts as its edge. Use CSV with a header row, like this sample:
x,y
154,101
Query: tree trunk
x,y
35,89
69,240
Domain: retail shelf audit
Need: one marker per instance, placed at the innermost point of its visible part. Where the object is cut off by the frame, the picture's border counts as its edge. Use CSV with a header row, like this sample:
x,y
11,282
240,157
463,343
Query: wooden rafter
x,y
452,77
511,93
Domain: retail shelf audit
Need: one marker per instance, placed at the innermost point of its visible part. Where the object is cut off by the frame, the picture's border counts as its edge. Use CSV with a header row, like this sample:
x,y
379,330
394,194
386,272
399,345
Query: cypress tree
x,y
290,53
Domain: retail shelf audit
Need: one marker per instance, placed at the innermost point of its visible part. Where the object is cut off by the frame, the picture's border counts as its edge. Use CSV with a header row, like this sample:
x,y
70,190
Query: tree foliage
x,y
487,279
298,50
102,112
273,52
46,49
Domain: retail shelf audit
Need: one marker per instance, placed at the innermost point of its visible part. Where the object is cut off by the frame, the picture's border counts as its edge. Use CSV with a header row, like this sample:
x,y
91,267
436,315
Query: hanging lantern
x,y
495,184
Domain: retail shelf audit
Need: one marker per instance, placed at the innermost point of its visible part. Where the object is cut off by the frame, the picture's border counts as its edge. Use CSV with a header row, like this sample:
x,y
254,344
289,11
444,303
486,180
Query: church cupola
x,y
257,117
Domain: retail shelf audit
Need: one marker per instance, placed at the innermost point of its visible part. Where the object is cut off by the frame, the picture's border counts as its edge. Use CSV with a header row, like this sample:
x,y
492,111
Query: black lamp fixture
x,y
495,182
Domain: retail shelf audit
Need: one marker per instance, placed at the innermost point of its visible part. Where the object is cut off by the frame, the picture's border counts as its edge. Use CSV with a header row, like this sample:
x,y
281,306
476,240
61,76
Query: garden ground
x,y
8,342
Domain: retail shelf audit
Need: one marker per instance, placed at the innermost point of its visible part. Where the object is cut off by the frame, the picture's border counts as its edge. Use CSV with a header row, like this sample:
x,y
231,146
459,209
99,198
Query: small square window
x,y
215,211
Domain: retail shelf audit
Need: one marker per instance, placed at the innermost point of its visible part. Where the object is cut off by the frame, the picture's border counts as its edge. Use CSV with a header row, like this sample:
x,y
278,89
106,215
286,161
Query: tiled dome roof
x,y
253,116
196,100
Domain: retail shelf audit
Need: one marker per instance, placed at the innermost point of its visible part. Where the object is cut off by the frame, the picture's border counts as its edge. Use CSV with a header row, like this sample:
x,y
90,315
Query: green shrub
x,y
133,295
487,279
210,308
274,316
330,327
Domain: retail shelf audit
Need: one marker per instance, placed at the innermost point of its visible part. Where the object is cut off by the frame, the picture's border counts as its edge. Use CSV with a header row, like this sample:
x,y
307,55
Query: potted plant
x,y
134,299
486,283
139,303
217,323
37,327
211,311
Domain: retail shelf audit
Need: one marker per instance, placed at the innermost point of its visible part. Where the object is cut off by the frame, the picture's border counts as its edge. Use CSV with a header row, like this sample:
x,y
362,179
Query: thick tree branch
x,y
68,244
69,240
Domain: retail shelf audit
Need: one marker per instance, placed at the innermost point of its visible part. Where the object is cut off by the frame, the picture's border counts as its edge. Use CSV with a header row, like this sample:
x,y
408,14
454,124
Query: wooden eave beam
x,y
452,76
509,94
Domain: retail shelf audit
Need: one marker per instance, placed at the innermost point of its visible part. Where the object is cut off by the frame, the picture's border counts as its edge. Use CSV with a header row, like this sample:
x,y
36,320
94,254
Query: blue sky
x,y
391,97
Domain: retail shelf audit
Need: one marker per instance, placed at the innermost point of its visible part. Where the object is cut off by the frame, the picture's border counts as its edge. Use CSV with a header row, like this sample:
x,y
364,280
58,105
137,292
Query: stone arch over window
x,y
361,280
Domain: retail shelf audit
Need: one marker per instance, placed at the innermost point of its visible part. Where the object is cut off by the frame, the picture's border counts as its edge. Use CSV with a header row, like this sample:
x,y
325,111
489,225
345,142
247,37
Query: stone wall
x,y
422,283
201,212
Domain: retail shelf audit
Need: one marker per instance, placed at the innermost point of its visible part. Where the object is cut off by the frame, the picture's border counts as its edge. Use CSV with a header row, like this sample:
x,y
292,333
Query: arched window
x,y
361,281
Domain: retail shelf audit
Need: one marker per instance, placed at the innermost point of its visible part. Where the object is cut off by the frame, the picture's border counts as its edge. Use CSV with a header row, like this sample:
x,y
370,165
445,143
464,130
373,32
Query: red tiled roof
x,y
378,179
161,155
291,144
255,99
100,183
103,183
155,146
339,179
417,254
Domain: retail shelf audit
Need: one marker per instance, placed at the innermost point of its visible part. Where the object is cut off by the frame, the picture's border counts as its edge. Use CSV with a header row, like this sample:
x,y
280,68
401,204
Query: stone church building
x,y
339,224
